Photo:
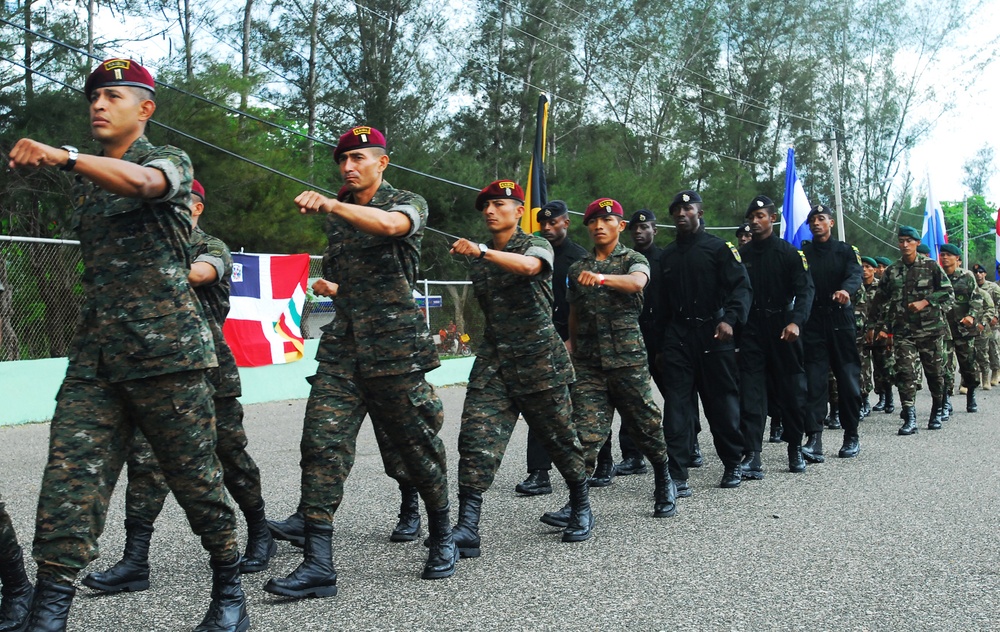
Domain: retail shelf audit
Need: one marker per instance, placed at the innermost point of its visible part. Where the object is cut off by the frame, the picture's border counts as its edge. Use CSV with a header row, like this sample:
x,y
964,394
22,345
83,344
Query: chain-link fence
x,y
43,294
42,297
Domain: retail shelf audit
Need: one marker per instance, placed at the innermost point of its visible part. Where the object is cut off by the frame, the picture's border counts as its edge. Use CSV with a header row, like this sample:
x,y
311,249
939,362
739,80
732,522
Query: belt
x,y
699,320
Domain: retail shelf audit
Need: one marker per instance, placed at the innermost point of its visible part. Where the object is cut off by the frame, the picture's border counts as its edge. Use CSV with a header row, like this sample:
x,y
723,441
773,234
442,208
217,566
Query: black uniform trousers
x,y
692,362
765,360
830,344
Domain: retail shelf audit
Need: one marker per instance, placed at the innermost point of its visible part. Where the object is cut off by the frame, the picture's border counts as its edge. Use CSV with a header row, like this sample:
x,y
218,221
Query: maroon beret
x,y
198,190
118,72
358,138
500,190
603,206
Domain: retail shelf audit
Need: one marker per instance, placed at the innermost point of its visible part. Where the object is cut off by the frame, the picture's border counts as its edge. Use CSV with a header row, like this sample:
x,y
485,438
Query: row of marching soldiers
x,y
570,337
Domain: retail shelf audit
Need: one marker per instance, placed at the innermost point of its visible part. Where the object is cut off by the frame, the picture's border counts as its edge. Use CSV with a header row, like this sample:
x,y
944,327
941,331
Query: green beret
x,y
884,261
924,249
951,249
909,231
869,261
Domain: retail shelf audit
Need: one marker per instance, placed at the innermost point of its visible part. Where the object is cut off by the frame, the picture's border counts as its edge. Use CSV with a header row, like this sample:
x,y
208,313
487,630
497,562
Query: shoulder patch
x,y
857,254
736,253
805,262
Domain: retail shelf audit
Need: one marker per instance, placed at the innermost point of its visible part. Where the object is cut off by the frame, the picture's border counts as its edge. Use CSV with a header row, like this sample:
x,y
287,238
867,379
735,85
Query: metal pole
x,y
965,232
836,188
427,303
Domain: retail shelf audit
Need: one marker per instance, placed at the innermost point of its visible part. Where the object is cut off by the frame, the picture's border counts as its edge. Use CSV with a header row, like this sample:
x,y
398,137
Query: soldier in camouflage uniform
x,y
882,361
15,589
909,312
965,319
139,355
861,301
987,351
605,297
372,360
521,367
211,269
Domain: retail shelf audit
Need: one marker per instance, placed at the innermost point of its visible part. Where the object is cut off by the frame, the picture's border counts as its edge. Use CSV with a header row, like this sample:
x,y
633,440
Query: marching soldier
x,y
522,367
987,348
965,319
139,356
372,360
770,345
605,297
862,301
910,305
829,338
882,360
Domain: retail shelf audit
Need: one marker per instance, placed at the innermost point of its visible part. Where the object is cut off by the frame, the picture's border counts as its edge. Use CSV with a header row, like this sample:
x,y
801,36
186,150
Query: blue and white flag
x,y
935,234
795,209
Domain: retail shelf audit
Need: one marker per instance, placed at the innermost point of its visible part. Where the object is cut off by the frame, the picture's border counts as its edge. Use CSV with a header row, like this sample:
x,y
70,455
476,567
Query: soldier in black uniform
x,y
743,235
770,348
830,339
704,294
554,219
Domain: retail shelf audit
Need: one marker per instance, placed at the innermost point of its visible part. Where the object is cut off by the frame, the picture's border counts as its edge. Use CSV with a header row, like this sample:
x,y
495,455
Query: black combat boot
x,y
880,405
909,417
604,473
260,543
812,451
751,467
731,477
581,520
466,531
15,596
315,576
443,554
796,464
697,460
683,489
775,436
665,492
50,607
408,527
537,484
292,529
131,574
934,422
833,420
866,408
228,610
889,406
559,518
946,408
631,465
850,448
970,401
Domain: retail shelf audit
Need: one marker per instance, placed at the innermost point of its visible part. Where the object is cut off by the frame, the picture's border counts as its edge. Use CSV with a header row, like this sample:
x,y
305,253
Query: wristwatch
x,y
74,153
482,251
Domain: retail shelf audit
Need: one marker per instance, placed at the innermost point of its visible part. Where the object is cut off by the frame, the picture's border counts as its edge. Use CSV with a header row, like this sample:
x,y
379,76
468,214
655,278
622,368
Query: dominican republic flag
x,y
934,234
267,295
795,206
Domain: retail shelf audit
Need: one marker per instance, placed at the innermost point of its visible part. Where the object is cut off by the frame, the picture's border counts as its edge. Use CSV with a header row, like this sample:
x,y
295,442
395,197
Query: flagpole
x,y
836,188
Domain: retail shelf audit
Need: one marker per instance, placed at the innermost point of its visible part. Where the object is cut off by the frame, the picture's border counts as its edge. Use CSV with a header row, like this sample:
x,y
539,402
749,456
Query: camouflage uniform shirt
x,y
607,322
214,299
968,302
140,318
374,304
520,340
902,284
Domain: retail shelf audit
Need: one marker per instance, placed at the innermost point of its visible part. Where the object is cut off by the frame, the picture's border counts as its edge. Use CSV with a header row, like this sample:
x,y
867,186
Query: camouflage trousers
x,y
488,419
90,437
883,365
8,539
984,363
965,350
995,350
147,489
909,354
867,379
597,393
406,413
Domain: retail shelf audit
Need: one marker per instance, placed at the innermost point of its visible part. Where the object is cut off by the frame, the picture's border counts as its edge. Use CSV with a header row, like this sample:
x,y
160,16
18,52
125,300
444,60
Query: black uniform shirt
x,y
566,254
782,287
833,265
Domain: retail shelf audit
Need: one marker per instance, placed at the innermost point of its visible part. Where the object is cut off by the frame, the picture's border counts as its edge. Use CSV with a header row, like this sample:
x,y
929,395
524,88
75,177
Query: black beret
x,y
642,215
819,209
685,197
743,230
551,210
759,202
978,268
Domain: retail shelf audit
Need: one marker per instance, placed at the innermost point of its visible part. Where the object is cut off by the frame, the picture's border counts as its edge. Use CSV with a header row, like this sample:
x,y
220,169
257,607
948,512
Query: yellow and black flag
x,y
536,193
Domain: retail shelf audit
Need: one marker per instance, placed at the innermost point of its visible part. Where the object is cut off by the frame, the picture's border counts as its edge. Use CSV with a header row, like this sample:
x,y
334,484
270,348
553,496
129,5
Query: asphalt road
x,y
905,537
